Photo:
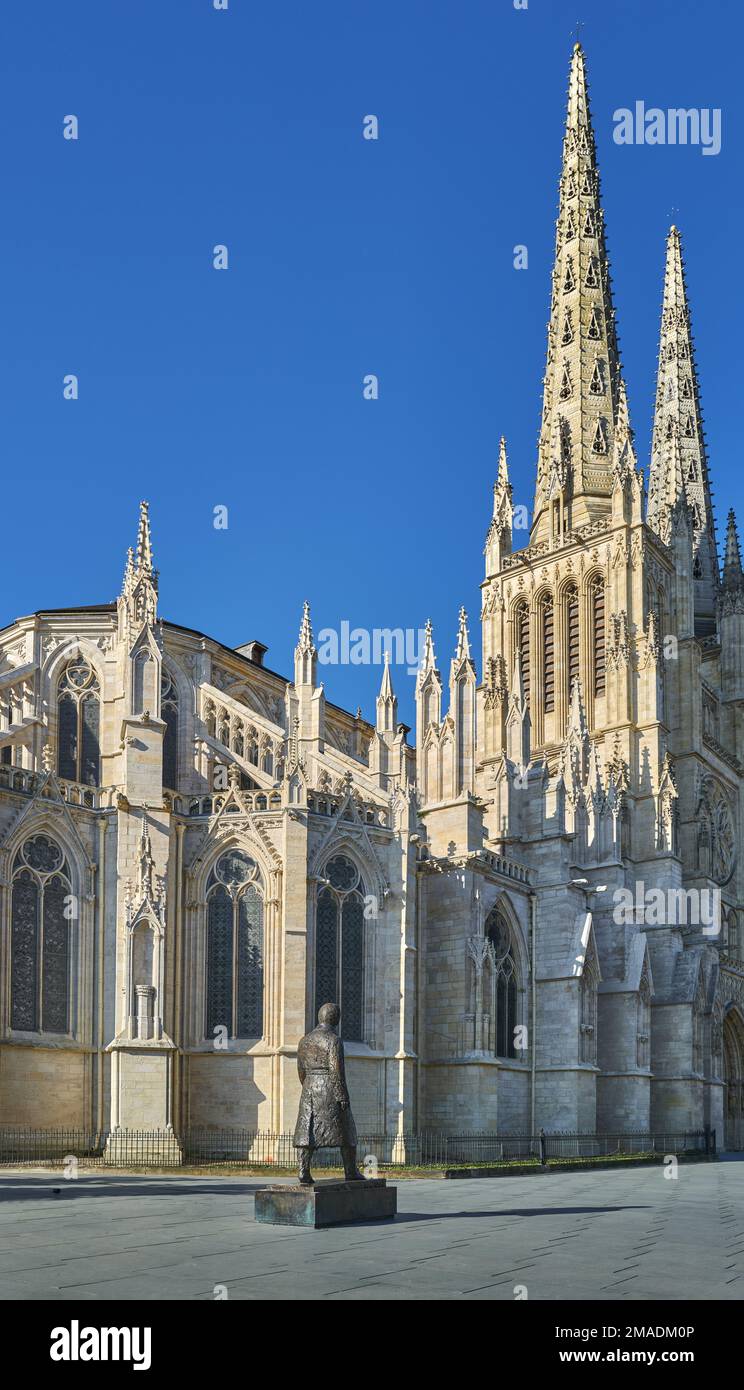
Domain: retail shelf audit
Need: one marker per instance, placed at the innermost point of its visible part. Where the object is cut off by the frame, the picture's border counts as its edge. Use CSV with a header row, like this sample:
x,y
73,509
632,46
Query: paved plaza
x,y
620,1235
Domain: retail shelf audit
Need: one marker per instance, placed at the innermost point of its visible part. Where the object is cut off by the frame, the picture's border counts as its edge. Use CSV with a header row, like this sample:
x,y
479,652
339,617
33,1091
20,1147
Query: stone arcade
x,y
195,852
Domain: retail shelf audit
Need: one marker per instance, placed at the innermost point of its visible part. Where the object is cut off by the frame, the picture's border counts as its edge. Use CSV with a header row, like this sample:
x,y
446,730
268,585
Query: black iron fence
x,y
215,1148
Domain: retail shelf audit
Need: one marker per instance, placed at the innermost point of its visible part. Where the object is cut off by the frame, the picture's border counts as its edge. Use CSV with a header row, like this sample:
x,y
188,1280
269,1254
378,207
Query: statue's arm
x,y
338,1072
300,1069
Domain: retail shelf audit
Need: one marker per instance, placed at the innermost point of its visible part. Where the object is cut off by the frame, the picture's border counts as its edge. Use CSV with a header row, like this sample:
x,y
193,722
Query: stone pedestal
x,y
327,1203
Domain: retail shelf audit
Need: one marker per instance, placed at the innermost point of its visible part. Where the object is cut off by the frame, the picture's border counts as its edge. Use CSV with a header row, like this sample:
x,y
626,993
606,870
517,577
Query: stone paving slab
x,y
627,1236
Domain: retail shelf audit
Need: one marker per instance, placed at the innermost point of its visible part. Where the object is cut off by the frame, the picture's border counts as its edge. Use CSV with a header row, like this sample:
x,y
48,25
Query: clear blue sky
x,y
243,388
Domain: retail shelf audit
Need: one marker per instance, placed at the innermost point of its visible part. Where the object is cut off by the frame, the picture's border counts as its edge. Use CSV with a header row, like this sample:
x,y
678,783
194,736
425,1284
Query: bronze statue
x,y
324,1120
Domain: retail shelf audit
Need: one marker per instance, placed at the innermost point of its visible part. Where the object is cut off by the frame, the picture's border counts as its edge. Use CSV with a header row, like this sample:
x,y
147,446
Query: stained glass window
x,y
68,737
250,964
352,967
169,713
326,949
504,981
219,961
78,724
55,949
24,952
235,947
40,938
339,945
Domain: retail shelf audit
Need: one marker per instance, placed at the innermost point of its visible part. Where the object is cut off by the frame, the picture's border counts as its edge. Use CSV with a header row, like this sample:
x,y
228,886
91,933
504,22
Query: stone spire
x,y
428,660
733,577
139,593
678,457
428,692
305,640
306,656
387,704
518,718
731,616
144,542
623,457
499,538
581,397
462,650
128,571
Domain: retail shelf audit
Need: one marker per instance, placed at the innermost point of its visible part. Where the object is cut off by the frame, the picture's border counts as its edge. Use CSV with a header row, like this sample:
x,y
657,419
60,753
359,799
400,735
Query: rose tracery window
x,y
41,916
235,947
78,719
339,945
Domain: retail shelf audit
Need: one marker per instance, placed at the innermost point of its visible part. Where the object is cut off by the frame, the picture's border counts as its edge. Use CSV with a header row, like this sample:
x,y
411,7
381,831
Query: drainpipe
x,y
418,1001
100,962
533,972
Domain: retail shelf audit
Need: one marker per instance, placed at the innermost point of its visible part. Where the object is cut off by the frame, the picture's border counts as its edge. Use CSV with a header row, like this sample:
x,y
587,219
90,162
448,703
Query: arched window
x,y
235,947
597,600
548,647
78,721
522,644
41,912
169,712
339,945
6,719
503,985
572,637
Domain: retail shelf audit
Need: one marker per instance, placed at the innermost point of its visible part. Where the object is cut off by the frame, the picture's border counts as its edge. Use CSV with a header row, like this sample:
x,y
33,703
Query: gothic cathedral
x,y
532,919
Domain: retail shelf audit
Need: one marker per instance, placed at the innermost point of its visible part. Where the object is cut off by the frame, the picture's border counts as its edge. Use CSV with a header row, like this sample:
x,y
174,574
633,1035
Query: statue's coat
x,y
324,1119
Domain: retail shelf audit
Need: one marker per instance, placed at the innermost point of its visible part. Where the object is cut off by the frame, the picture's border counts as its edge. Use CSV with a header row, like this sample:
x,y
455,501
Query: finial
x,y
733,577
144,542
462,651
306,632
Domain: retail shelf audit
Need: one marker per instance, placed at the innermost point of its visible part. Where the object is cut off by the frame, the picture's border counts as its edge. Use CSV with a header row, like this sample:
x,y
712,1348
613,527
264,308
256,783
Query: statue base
x,y
327,1203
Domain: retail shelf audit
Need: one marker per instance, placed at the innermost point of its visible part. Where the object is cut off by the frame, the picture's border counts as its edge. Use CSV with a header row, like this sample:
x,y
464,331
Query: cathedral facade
x,y
531,919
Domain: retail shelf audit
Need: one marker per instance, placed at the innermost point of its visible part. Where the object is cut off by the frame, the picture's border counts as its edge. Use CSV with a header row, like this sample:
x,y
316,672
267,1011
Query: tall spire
x,y
733,577
499,538
582,379
502,477
305,641
623,459
428,660
678,413
140,588
144,541
306,656
387,704
462,650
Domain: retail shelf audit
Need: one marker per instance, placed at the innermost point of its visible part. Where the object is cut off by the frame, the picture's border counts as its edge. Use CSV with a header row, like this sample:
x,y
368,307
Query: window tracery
x,y
41,898
339,945
235,947
78,720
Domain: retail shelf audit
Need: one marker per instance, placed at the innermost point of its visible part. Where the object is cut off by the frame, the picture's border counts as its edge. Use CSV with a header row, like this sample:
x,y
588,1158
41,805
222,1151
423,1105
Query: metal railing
x,y
215,1148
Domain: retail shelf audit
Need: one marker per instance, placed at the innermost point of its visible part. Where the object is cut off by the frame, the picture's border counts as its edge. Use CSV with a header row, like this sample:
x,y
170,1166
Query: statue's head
x,y
329,1014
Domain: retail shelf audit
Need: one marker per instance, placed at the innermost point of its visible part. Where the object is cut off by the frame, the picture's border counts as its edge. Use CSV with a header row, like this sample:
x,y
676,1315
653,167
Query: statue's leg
x,y
351,1172
306,1177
